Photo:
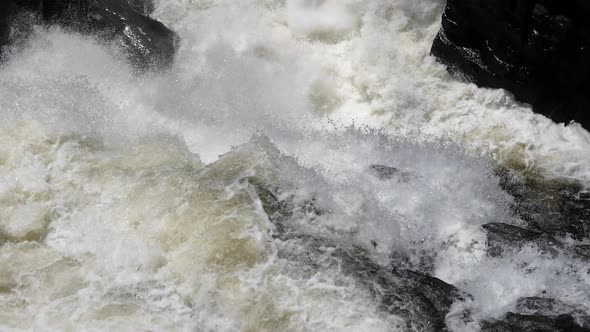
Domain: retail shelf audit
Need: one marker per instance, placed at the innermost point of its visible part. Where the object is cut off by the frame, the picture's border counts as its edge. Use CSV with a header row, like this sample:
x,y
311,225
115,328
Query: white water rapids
x,y
123,204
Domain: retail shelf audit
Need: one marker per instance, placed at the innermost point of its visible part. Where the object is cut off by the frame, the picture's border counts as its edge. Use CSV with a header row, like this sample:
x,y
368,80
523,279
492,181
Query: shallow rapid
x,y
291,146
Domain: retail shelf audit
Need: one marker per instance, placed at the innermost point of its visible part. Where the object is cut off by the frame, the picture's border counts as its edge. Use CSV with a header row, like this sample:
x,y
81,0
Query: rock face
x,y
533,323
6,9
551,211
147,43
144,7
383,172
502,237
550,307
557,207
537,49
421,300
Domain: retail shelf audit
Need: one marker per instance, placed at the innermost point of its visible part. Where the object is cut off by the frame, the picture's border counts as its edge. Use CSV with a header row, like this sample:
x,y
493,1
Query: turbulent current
x,y
291,144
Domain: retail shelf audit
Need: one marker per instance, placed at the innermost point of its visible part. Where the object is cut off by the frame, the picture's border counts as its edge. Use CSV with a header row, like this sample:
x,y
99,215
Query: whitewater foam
x,y
124,200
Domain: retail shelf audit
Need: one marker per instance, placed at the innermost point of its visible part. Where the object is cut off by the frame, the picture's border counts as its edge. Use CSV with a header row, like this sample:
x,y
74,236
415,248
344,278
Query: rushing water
x,y
130,202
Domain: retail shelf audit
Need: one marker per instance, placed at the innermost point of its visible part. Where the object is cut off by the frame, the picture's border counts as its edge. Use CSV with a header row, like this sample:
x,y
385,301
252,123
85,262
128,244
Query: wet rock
x,y
280,210
567,323
502,237
505,233
539,306
552,308
422,300
383,172
7,8
147,43
439,293
537,49
144,7
496,326
556,207
533,323
582,252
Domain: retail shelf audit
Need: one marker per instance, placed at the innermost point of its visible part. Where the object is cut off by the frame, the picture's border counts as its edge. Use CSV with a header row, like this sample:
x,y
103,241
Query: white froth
x,y
117,211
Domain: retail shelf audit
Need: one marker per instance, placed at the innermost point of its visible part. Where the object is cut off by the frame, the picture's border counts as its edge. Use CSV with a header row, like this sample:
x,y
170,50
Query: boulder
x,y
147,43
512,322
582,252
502,237
421,300
439,294
537,49
144,7
383,172
7,8
545,306
557,207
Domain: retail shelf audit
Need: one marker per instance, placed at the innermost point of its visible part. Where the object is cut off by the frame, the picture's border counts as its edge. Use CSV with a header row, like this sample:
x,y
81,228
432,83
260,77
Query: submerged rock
x,y
439,294
537,49
555,207
502,237
7,8
148,43
383,172
582,251
533,323
539,306
536,305
144,7
422,301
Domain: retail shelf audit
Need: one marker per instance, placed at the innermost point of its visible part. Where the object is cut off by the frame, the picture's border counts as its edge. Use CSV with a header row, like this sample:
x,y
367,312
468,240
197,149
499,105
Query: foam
x,y
137,222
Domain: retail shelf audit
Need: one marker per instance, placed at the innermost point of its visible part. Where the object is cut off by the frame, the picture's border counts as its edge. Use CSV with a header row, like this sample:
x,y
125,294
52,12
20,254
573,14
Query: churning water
x,y
136,203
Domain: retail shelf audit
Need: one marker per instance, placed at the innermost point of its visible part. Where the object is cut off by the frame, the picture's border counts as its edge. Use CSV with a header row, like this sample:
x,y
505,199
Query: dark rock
x,y
582,252
147,43
502,237
383,172
496,326
556,207
537,49
567,323
533,323
552,308
423,301
7,8
505,233
279,211
439,293
530,322
144,7
539,306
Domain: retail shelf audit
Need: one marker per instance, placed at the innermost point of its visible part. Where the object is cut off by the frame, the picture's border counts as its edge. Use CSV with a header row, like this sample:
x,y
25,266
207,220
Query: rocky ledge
x,y
423,301
537,49
148,44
